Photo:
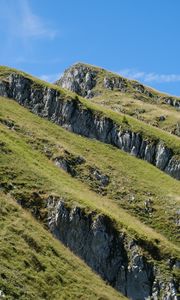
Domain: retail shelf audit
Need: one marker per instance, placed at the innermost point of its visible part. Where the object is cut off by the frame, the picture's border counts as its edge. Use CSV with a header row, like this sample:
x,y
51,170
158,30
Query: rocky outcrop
x,y
68,163
118,83
118,259
172,101
72,115
82,79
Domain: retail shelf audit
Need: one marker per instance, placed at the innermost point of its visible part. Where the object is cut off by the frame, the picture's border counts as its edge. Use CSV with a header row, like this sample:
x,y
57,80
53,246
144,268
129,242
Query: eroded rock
x,y
107,251
47,102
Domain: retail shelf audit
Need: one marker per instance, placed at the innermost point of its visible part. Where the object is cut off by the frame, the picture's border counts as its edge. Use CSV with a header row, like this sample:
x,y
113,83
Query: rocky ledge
x,y
81,79
72,115
118,259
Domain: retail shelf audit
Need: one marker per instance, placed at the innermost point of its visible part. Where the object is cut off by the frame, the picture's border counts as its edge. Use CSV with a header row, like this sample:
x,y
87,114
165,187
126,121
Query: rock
x,y
162,118
164,291
177,129
102,178
163,155
117,82
148,206
110,253
140,88
68,162
48,102
2,295
80,79
139,277
62,163
173,167
171,101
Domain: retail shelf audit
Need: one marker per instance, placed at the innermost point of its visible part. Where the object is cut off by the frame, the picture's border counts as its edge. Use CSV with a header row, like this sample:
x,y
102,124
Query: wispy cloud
x,y
149,77
32,24
22,22
50,77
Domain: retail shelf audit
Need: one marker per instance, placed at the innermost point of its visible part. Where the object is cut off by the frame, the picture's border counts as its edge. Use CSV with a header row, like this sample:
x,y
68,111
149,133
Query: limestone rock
x,y
79,79
107,251
47,102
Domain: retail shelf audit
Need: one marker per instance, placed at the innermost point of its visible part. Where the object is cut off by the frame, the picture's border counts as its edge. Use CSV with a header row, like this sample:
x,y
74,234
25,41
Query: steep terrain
x,y
124,96
36,266
92,196
82,117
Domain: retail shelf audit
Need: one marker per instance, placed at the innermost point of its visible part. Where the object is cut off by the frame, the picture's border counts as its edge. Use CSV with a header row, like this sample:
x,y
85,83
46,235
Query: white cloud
x,y
33,25
50,77
22,22
149,77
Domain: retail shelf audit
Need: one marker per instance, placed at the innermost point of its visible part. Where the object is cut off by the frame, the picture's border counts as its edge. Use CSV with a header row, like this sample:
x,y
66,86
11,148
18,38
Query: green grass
x,y
146,112
24,170
147,131
105,73
133,103
36,266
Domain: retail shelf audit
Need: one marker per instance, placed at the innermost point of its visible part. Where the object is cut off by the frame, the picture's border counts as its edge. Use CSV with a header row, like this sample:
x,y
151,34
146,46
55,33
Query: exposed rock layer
x,y
71,114
82,79
110,253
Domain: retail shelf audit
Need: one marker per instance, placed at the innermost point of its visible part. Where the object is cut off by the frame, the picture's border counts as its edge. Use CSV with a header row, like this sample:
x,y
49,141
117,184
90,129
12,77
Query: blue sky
x,y
136,38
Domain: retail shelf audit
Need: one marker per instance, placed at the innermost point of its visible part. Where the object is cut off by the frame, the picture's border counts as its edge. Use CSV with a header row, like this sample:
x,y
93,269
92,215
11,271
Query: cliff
x,y
112,254
83,79
123,95
124,252
49,102
137,262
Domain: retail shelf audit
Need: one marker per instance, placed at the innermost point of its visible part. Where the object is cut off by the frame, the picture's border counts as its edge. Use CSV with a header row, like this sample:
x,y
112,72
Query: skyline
x,y
136,40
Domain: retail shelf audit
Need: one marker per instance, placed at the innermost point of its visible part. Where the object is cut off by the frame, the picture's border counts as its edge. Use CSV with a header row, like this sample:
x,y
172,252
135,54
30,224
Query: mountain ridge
x,y
123,96
95,122
62,167
111,73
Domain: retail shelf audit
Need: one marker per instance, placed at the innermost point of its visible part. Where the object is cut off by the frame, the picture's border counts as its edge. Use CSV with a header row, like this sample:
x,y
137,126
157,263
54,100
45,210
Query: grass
x,y
25,170
147,131
146,112
105,73
133,103
36,266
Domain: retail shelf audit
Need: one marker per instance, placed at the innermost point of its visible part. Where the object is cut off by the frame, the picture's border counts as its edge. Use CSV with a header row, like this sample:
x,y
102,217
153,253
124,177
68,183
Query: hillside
x,y
124,96
36,266
117,212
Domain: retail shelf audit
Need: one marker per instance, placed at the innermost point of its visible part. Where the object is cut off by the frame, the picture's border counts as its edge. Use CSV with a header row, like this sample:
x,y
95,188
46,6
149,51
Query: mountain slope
x,y
52,173
130,184
36,266
78,115
38,185
122,95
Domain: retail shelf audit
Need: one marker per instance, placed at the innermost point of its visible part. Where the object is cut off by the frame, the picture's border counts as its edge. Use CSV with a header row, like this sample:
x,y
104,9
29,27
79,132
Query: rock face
x,y
109,252
115,83
82,79
72,115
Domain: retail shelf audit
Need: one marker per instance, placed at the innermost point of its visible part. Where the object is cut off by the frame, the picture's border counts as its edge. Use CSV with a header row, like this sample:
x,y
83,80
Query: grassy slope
x,y
36,266
29,171
140,106
147,112
148,131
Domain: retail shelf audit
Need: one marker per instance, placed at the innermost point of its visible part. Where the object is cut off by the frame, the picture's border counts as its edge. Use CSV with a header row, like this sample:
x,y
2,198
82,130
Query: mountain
x,y
35,266
102,183
123,95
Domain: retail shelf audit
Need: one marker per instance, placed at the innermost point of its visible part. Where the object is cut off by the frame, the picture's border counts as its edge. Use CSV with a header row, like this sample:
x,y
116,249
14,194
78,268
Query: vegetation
x,y
25,170
147,106
36,266
141,200
146,130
